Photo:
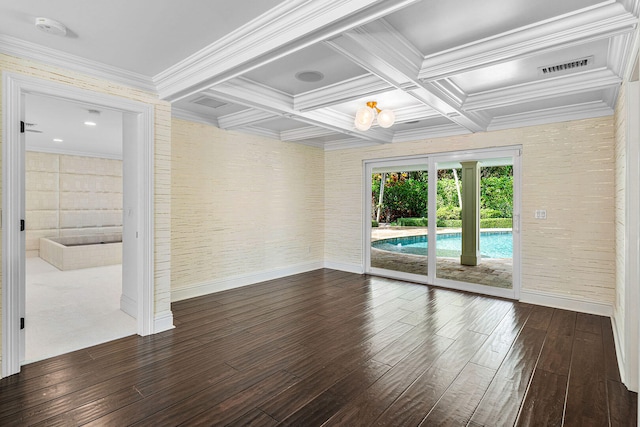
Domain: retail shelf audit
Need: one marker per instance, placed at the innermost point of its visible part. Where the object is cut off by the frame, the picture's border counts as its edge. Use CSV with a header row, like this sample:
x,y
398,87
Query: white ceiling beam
x,y
603,20
285,29
564,113
559,86
379,48
306,132
439,131
340,92
181,113
251,94
244,118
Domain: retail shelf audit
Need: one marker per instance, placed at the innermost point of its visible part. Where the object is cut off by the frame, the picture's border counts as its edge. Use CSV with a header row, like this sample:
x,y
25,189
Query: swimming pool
x,y
493,244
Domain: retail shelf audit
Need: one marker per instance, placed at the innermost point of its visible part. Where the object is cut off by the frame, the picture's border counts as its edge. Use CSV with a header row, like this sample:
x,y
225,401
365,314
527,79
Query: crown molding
x,y
558,86
620,49
267,133
307,132
340,92
633,6
345,144
586,110
430,132
244,118
415,112
182,114
27,50
602,20
286,28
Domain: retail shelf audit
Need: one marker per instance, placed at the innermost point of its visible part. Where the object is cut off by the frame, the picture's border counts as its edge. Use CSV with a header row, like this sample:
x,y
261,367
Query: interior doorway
x,y
73,227
449,219
137,130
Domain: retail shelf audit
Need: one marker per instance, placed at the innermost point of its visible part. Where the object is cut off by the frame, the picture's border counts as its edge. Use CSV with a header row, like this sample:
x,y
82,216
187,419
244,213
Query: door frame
x,y
431,160
15,86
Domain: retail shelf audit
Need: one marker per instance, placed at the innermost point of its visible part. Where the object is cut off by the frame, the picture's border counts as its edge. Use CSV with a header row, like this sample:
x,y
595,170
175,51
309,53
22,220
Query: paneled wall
x,y
243,208
568,169
71,195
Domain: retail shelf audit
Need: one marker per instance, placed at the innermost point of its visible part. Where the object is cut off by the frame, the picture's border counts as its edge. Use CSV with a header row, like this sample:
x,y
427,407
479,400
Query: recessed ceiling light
x,y
309,76
50,26
57,140
91,120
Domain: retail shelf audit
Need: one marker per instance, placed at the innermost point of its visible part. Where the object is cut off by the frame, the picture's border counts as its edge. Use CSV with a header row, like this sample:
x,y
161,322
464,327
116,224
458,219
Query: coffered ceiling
x,y
298,70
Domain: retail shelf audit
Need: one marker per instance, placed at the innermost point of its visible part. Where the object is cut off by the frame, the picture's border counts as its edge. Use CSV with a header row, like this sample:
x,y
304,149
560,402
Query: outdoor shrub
x,y
374,223
453,223
412,222
490,213
449,212
496,223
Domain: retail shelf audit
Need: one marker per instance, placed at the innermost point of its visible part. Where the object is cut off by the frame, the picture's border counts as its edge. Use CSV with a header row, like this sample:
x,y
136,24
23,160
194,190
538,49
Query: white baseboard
x,y
343,266
163,322
233,282
566,302
129,306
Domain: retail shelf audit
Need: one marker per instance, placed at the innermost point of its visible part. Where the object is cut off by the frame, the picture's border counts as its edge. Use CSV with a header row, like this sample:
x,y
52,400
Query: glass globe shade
x,y
364,118
386,118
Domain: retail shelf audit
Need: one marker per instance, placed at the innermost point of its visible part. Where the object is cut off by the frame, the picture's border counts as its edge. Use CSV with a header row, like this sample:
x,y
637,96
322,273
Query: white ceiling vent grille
x,y
571,65
209,102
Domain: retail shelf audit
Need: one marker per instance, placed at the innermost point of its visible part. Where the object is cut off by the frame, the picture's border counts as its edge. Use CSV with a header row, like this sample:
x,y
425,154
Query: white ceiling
x,y
444,67
49,118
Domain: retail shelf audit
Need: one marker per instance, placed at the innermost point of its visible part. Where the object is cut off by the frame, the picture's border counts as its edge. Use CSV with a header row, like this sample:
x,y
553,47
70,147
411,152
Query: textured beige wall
x,y
162,157
568,169
70,195
620,207
241,204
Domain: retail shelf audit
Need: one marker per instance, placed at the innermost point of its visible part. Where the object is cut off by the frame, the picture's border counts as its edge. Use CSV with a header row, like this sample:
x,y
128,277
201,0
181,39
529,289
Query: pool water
x,y
493,244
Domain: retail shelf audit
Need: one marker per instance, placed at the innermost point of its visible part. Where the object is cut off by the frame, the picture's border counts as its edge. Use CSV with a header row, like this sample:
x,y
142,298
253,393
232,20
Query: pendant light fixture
x,y
366,115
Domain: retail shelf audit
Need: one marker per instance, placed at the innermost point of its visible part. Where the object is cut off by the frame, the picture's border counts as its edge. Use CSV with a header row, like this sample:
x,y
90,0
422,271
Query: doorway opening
x,y
450,219
137,139
73,227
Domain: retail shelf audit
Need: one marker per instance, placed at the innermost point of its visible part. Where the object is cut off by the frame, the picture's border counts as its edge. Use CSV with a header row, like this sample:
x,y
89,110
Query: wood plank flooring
x,y
337,349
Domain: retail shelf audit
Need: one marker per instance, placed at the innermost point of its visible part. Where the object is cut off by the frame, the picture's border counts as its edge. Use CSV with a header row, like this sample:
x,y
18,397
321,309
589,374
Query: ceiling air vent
x,y
209,102
571,65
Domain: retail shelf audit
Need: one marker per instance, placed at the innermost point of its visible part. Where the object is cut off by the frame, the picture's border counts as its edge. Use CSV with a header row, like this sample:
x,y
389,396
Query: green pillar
x,y
470,213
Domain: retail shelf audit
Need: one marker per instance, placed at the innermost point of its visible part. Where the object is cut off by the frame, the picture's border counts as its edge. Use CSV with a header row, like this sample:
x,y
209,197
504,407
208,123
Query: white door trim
x,y
429,162
14,87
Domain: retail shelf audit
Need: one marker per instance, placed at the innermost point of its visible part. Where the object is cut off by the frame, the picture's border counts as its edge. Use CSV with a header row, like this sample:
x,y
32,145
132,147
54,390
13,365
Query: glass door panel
x,y
474,215
399,219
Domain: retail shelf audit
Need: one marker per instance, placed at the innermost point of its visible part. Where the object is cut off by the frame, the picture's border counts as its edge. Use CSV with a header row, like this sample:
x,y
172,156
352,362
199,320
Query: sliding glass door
x,y
449,219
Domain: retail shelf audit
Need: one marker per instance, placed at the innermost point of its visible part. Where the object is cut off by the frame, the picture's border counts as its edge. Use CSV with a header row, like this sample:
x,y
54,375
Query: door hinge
x,y
22,323
21,126
22,225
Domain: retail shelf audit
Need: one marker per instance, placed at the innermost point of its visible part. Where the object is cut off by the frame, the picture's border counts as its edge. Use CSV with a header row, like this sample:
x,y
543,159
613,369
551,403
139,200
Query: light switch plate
x,y
541,214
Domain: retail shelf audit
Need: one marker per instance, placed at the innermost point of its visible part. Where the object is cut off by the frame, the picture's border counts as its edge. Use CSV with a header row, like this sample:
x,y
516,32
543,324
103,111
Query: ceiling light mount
x,y
309,76
50,26
365,116
92,117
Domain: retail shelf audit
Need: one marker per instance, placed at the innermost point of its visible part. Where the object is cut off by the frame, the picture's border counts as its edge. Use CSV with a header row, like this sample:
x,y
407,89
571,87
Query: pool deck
x,y
490,271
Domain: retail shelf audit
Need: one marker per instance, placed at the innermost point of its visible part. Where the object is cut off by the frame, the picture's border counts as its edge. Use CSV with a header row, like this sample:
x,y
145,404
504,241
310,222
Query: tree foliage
x,y
406,194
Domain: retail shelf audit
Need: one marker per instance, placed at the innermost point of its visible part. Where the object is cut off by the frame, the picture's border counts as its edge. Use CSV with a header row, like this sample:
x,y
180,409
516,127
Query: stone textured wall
x,y
243,205
71,195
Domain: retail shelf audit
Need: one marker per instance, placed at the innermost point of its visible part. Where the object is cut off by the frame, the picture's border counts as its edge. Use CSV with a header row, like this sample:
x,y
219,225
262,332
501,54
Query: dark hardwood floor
x,y
333,348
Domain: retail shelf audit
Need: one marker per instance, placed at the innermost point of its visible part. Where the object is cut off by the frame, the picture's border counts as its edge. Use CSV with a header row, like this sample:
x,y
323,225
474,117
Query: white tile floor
x,y
70,310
